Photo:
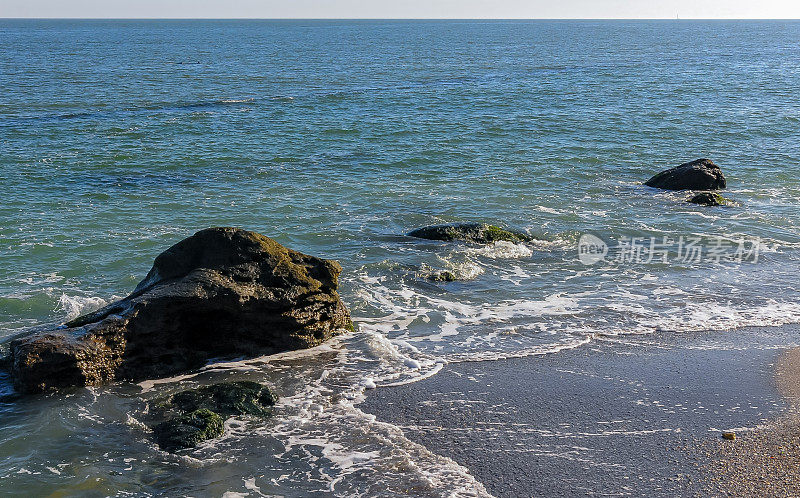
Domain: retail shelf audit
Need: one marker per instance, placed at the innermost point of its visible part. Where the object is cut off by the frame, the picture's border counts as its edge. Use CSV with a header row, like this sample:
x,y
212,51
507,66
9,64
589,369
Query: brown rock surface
x,y
222,292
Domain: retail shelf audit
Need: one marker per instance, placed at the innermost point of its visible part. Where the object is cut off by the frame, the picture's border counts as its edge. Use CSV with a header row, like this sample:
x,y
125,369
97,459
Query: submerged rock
x,y
227,399
701,174
442,276
481,233
222,292
709,199
196,415
187,431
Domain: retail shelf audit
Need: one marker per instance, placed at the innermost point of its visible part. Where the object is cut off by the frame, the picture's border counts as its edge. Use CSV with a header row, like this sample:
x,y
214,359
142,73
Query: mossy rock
x,y
709,199
442,276
189,430
480,233
221,293
195,415
227,398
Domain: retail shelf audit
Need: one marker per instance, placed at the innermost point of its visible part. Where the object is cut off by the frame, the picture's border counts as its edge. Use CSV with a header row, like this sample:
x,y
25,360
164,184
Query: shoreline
x,y
630,414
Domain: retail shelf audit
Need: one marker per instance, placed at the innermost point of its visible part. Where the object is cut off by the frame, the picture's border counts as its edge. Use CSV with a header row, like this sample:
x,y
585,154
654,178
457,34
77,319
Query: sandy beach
x,y
633,415
763,462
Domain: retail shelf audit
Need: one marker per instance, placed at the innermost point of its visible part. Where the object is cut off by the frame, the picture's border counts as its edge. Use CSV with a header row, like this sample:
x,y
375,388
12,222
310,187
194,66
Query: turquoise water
x,y
119,138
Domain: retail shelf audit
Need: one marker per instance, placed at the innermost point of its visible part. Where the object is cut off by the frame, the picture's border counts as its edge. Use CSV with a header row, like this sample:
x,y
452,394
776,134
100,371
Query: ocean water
x,y
119,138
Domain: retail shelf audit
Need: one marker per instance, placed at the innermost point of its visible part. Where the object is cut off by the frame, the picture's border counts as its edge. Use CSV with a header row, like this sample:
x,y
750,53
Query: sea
x,y
336,138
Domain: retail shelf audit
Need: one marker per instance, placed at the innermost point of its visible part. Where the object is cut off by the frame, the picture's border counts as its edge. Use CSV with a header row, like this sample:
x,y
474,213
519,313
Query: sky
x,y
459,9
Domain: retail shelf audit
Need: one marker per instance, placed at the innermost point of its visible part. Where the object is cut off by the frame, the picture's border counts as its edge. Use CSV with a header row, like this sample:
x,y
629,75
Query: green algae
x,y
189,430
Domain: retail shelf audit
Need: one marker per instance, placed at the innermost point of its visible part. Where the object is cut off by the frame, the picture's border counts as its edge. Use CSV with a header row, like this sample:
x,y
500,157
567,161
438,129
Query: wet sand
x,y
631,415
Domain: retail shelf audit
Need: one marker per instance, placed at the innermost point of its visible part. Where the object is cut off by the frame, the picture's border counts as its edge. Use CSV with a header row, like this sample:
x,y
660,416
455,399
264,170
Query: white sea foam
x,y
546,209
74,306
461,270
331,445
502,250
467,270
41,279
352,443
452,329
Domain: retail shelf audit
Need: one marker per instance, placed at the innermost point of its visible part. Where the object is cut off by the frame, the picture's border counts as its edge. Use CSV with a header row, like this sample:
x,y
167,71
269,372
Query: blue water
x,y
119,138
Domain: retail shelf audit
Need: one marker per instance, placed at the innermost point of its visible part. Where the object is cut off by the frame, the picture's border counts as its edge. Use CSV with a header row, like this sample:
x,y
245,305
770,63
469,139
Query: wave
x,y
323,95
451,328
502,250
319,440
202,105
74,306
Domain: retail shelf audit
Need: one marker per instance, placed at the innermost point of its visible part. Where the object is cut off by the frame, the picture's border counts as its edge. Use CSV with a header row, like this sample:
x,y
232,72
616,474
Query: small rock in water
x,y
730,436
196,415
227,399
701,174
709,199
442,276
188,430
480,233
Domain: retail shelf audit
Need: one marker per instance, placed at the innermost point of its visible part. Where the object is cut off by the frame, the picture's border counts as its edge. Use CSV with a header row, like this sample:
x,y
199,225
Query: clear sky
x,y
526,9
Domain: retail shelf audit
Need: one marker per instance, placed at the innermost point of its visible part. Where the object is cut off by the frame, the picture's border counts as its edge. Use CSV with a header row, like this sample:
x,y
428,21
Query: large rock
x,y
701,174
222,292
481,233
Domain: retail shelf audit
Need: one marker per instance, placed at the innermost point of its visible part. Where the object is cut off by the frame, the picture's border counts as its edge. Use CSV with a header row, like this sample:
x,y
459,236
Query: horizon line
x,y
30,18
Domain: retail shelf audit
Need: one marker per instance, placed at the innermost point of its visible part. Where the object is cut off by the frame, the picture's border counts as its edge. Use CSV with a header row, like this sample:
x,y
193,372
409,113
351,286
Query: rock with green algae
x,y
709,199
223,292
188,430
442,276
227,399
480,233
195,415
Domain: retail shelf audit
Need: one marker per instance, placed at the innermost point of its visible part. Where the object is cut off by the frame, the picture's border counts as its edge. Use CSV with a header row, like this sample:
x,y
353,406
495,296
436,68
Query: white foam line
x,y
436,369
252,363
492,356
758,427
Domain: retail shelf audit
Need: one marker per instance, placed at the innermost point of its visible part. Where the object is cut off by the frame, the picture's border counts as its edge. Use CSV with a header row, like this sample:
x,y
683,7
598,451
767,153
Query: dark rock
x,y
481,233
187,431
196,415
227,399
709,199
701,174
222,292
442,276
